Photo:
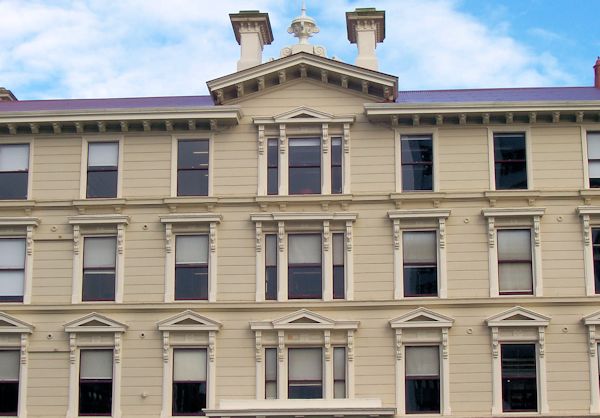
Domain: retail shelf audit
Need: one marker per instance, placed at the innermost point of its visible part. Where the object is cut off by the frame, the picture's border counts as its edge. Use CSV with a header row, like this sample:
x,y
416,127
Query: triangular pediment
x,y
422,318
592,319
10,324
303,115
304,320
188,321
371,84
518,317
95,322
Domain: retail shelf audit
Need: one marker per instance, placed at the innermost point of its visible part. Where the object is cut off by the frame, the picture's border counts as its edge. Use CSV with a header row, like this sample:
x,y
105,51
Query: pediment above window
x,y
422,318
95,322
303,115
512,212
99,220
19,221
303,320
183,218
188,321
592,319
303,216
518,317
11,325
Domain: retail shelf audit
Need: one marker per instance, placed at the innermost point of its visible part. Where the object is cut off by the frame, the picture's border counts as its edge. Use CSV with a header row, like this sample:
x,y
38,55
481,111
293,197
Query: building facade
x,y
307,240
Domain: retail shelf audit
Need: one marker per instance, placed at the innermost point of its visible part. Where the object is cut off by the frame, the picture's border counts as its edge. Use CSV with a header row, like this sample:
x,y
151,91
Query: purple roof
x,y
500,95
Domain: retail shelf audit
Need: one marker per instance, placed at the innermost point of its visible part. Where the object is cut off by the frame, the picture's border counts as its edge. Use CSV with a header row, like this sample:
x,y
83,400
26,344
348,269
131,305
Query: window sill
x,y
16,203
417,195
190,200
525,193
304,198
98,202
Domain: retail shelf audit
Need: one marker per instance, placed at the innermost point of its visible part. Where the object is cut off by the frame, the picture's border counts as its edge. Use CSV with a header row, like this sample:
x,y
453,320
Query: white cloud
x,y
95,48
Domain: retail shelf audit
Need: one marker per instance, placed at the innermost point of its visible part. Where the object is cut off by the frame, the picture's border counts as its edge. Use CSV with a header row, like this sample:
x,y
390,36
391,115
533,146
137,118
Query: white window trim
x,y
180,323
532,220
322,221
30,142
207,224
427,220
434,133
590,218
525,319
313,322
422,318
84,164
28,224
78,326
23,329
592,321
585,130
81,221
201,136
526,130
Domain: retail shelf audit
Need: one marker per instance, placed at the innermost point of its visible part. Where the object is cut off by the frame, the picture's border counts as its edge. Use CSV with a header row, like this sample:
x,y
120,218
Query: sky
x,y
128,48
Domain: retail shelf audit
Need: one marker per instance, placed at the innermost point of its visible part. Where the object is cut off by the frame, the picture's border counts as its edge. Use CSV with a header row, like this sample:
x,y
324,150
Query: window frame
x,y
502,373
83,267
526,131
174,158
405,263
94,380
590,218
24,141
507,262
592,322
196,265
322,169
585,131
434,134
291,383
291,266
174,350
407,378
86,140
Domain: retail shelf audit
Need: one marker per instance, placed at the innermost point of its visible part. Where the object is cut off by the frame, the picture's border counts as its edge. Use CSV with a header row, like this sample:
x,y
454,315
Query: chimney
x,y
366,28
597,74
252,31
6,95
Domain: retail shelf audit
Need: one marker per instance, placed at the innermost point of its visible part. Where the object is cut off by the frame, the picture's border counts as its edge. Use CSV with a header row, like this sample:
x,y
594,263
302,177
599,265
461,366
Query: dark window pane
x,y
305,391
339,288
189,398
102,183
98,285
9,397
95,397
422,395
272,181
420,281
510,161
304,180
417,150
509,147
596,252
336,180
192,154
271,283
273,153
13,185
511,175
417,177
191,283
192,182
304,156
519,386
594,182
304,282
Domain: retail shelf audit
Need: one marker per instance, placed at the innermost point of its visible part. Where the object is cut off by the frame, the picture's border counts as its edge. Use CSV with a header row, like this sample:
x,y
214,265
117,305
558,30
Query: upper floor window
x,y
420,263
273,166
515,272
304,166
14,171
510,161
417,162
596,256
593,154
189,381
12,269
422,369
102,169
192,167
271,375
305,272
95,382
191,267
337,172
99,268
270,267
519,382
10,361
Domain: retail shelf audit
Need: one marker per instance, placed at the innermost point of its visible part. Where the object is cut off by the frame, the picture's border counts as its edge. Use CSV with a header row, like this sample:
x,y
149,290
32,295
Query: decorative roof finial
x,y
303,27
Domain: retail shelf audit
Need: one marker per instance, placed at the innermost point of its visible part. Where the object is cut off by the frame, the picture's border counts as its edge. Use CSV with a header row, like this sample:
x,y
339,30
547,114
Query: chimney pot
x,y
366,28
252,31
597,73
6,95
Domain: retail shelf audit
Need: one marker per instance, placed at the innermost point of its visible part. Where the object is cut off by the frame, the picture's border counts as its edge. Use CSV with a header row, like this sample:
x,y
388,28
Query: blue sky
x,y
123,48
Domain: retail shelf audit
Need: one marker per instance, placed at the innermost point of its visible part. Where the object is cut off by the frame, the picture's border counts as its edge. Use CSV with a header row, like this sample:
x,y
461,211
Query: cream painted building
x,y
306,241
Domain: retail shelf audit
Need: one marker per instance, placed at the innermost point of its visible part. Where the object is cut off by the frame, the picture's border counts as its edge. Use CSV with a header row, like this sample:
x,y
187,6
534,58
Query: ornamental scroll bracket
x,y
29,240
213,236
349,236
76,239
120,240
397,234
442,232
280,345
258,346
398,344
542,341
593,349
169,238
24,347
281,236
491,232
495,343
326,235
258,237
117,348
165,347
327,338
346,138
261,139
586,230
72,348
350,345
536,230
444,343
212,338
282,138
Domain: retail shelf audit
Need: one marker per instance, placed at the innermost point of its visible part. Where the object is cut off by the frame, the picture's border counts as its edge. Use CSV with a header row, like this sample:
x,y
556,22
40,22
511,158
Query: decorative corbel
x,y
444,343
394,121
212,337
213,236
240,89
325,235
79,127
120,240
76,239
282,138
387,93
586,230
282,76
495,343
541,341
29,240
124,126
12,129
327,338
593,348
536,230
220,96
169,125
509,117
442,232
532,117
365,86
325,137
398,344
57,127
101,126
35,129
485,118
324,76
346,138
416,120
260,82
72,348
258,238
147,126
491,232
462,119
191,125
350,353
117,349
555,117
258,346
281,235
280,345
303,71
214,125
439,119
24,347
348,235
169,238
261,139
396,234
165,347
579,117
344,81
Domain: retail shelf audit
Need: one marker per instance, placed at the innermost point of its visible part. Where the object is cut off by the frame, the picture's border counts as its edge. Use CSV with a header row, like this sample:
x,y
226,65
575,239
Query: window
x,y
191,267
189,381
420,263
519,387
14,171
271,267
339,249
339,372
99,268
304,266
273,167
192,167
270,373
9,382
12,269
422,380
514,262
305,373
95,382
593,154
304,166
510,164
417,162
596,256
337,156
592,321
102,169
